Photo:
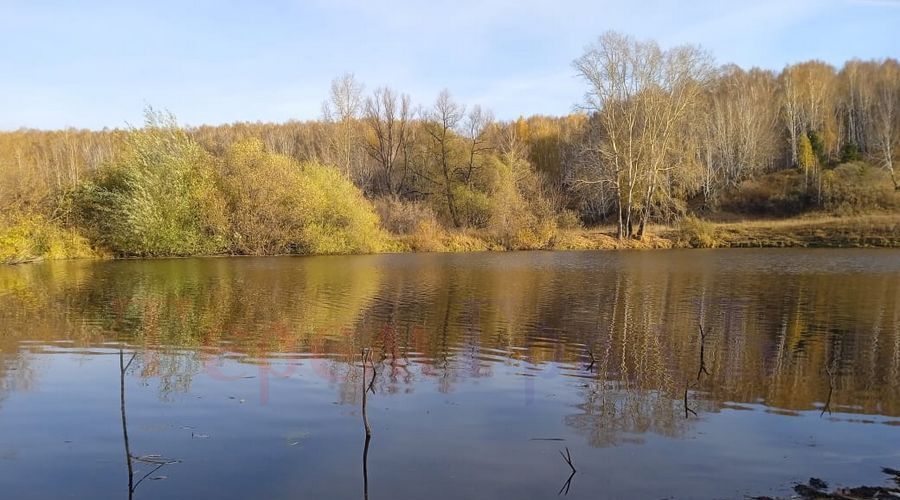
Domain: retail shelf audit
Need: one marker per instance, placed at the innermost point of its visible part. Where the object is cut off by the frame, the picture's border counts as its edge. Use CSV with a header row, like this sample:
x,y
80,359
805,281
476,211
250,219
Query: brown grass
x,y
814,230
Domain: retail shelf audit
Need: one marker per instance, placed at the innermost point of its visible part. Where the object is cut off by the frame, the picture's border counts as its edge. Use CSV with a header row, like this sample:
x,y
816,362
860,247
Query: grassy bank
x,y
38,239
809,231
814,231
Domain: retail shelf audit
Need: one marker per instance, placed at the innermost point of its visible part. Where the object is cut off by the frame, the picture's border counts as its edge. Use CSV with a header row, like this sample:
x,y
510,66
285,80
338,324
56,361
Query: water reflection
x,y
636,344
153,462
771,338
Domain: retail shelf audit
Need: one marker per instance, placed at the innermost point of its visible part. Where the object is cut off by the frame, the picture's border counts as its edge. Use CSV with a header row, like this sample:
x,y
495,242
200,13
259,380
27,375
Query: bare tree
x,y
737,136
885,117
388,117
343,108
476,127
790,106
640,96
441,124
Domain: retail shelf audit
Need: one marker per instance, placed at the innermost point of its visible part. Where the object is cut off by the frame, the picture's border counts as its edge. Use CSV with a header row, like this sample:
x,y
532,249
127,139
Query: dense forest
x,y
662,136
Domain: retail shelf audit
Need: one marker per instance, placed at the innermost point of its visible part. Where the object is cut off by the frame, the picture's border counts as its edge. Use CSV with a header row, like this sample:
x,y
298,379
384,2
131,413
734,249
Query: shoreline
x,y
815,231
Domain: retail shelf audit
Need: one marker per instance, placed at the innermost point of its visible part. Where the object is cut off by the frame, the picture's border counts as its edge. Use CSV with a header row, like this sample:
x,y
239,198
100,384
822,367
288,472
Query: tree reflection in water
x,y
446,320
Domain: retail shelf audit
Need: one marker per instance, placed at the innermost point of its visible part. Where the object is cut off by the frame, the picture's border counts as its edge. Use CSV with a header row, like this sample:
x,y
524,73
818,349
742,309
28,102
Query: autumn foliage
x,y
661,135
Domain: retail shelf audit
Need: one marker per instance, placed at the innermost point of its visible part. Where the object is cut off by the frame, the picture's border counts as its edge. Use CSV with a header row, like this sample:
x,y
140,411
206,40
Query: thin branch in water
x,y
128,365
702,354
365,357
830,391
366,468
371,387
155,460
158,461
159,466
590,367
568,458
122,369
687,409
568,484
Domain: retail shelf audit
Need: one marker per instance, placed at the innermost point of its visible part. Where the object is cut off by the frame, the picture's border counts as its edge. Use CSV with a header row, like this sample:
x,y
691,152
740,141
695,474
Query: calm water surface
x,y
243,377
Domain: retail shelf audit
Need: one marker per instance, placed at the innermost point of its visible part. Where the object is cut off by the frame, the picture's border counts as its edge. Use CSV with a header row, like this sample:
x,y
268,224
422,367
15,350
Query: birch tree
x,y
343,109
639,95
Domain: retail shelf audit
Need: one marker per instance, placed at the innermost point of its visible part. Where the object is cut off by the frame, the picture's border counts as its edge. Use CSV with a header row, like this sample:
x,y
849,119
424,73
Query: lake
x,y
233,378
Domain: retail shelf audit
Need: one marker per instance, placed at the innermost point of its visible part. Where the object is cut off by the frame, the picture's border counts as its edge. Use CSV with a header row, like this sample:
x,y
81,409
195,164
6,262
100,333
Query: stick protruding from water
x,y
366,356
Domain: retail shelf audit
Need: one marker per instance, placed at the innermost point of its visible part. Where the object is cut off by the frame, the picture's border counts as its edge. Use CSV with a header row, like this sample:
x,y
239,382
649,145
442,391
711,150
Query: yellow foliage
x,y
806,157
521,217
428,237
158,198
33,237
279,206
697,233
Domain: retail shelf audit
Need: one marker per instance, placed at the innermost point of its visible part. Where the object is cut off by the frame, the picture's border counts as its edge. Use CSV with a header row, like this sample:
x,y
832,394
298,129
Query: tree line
x,y
660,133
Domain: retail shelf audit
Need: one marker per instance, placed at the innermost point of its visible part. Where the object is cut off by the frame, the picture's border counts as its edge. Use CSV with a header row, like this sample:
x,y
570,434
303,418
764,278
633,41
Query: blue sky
x,y
94,64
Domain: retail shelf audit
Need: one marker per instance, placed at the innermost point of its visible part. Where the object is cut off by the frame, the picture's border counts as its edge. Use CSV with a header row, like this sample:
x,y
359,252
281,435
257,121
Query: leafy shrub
x,y
696,233
158,198
337,217
568,220
473,206
850,152
401,216
33,237
857,187
276,205
264,199
429,236
521,217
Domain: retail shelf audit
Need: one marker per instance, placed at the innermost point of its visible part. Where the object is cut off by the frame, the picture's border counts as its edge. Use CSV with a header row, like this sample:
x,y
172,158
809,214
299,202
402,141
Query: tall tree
x,y
737,124
388,117
441,124
886,117
343,108
641,95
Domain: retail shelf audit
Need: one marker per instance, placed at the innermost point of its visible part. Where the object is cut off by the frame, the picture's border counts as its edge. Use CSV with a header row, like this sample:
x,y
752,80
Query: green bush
x,y
263,195
276,205
158,198
473,206
850,152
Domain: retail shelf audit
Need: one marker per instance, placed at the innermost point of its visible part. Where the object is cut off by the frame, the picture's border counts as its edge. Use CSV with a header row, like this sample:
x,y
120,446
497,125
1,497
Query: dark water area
x,y
243,377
